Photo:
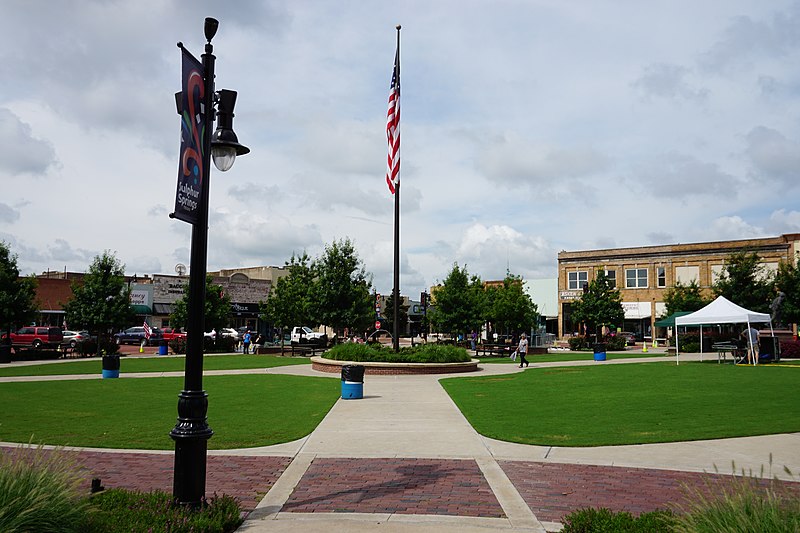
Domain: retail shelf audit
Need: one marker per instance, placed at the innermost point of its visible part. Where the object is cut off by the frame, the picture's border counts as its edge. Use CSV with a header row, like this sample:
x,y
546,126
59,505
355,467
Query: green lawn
x,y
571,356
244,410
152,364
631,404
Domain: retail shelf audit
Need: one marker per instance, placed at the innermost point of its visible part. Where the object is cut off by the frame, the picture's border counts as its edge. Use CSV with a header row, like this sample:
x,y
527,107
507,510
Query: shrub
x,y
578,343
424,353
615,342
143,512
40,491
178,345
605,521
790,349
743,503
88,348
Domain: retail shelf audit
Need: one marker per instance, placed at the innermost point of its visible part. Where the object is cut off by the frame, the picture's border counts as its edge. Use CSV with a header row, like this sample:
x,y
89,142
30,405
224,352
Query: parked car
x,y
630,337
37,337
304,335
229,332
135,335
72,338
169,334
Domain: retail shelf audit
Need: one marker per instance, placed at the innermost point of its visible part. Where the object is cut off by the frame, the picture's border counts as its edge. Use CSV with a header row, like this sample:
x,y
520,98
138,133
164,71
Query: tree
x,y
788,282
745,282
683,298
289,302
217,308
17,295
459,303
402,314
102,303
341,293
510,307
601,305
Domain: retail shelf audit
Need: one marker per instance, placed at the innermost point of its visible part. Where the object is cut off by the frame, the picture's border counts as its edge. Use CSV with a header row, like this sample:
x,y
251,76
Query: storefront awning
x,y
636,310
142,309
162,309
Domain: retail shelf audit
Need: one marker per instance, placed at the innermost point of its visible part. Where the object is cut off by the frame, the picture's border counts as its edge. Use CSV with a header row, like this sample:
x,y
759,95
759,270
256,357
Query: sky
x,y
527,128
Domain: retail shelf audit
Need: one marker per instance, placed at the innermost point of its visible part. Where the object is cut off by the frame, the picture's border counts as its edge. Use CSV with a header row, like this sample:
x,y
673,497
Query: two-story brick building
x,y
643,274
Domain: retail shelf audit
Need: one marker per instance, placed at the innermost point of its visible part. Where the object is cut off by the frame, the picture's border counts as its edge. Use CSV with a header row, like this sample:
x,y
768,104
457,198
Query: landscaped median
x,y
379,360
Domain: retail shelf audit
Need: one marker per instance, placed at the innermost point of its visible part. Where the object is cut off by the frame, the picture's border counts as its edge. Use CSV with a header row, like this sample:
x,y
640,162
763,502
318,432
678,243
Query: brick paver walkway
x,y
405,486
553,490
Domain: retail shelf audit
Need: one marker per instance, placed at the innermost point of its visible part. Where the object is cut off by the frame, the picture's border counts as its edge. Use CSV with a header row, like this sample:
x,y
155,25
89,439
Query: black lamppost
x,y
191,432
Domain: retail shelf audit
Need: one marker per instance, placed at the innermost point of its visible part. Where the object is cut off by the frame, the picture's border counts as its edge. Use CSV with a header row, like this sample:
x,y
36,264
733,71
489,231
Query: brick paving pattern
x,y
247,478
553,490
404,486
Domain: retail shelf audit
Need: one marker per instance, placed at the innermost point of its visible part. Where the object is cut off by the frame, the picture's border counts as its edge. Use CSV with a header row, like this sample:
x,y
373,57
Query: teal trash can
x,y
110,366
352,382
600,351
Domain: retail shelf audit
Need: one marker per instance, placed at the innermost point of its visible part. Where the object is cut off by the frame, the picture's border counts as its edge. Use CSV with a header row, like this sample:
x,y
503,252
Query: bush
x,y
88,348
423,353
578,343
790,350
219,345
40,491
615,343
178,345
143,512
606,521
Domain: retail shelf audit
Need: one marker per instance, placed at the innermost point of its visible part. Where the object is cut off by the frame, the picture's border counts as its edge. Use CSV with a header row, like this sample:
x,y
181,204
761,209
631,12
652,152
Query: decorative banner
x,y
190,166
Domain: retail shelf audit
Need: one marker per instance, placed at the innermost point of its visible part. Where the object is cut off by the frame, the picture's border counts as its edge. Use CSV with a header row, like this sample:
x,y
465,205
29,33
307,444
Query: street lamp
x,y
191,432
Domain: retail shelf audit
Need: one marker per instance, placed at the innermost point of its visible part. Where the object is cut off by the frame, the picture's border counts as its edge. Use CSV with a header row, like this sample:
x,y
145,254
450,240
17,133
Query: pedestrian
x,y
473,339
522,350
246,341
751,336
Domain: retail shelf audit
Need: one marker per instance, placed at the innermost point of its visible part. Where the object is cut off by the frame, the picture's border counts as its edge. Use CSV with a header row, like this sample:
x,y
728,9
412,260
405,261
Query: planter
x,y
110,366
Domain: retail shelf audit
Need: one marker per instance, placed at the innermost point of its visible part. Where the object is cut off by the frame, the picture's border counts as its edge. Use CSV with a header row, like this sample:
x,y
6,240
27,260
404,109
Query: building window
x,y
611,276
636,278
685,275
576,280
661,274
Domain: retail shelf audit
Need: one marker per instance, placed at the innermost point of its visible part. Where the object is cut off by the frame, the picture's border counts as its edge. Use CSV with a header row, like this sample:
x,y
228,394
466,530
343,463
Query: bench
x,y
494,349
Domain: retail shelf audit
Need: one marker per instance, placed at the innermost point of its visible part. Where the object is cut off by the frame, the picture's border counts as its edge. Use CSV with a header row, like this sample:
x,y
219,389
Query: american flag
x,y
393,126
147,330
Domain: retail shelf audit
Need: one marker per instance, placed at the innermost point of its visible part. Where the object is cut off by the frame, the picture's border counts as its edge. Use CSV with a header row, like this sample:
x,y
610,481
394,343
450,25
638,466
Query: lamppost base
x,y
191,434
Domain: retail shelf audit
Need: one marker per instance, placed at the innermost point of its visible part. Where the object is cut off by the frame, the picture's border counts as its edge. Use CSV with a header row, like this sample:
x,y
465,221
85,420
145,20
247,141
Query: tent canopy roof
x,y
721,311
669,321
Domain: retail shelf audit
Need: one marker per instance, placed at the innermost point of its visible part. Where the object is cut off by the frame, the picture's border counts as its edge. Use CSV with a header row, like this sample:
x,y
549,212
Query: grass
x,y
630,404
152,364
244,410
570,356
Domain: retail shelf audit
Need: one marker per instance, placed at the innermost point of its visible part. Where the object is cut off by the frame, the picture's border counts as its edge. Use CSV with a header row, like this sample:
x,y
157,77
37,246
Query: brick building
x,y
643,274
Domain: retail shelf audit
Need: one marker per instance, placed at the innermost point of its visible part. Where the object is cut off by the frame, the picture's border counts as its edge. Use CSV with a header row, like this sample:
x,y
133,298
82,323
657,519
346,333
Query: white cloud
x,y
669,81
20,151
773,156
782,221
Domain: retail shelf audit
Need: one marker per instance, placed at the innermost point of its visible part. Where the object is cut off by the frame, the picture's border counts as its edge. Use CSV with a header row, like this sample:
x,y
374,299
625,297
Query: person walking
x,y
246,341
751,336
522,350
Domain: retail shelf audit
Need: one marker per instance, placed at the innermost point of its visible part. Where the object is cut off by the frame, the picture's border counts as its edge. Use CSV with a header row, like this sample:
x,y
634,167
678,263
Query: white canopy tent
x,y
720,311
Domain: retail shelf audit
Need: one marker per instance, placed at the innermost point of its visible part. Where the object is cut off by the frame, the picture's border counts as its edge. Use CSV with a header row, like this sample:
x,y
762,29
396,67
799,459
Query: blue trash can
x,y
110,366
163,348
352,382
600,351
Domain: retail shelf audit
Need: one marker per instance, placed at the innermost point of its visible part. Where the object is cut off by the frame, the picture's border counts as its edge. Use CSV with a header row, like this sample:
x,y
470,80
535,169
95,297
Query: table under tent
x,y
720,311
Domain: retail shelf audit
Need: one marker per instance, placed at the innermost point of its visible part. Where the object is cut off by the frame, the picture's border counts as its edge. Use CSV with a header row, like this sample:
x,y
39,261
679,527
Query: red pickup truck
x,y
37,337
171,333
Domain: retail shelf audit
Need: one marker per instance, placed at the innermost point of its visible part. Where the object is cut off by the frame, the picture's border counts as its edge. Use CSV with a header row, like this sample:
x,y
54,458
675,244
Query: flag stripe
x,y
393,127
147,330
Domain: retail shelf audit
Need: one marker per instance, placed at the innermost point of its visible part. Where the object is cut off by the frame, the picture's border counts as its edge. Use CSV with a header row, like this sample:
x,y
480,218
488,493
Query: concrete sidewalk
x,y
412,417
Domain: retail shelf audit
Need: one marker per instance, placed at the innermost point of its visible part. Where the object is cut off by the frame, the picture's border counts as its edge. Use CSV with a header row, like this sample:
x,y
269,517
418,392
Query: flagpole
x,y
396,289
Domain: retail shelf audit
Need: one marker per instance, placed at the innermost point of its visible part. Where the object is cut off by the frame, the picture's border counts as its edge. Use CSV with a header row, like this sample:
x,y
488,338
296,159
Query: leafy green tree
x,y
17,295
402,314
459,303
289,302
102,302
510,307
217,308
341,293
788,282
684,298
601,305
745,282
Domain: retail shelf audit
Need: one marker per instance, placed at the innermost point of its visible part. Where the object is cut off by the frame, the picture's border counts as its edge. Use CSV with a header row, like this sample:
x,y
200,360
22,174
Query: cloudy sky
x,y
528,127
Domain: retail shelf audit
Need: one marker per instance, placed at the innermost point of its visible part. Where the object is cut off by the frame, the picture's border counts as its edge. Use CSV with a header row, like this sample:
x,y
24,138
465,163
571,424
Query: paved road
x,y
404,458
